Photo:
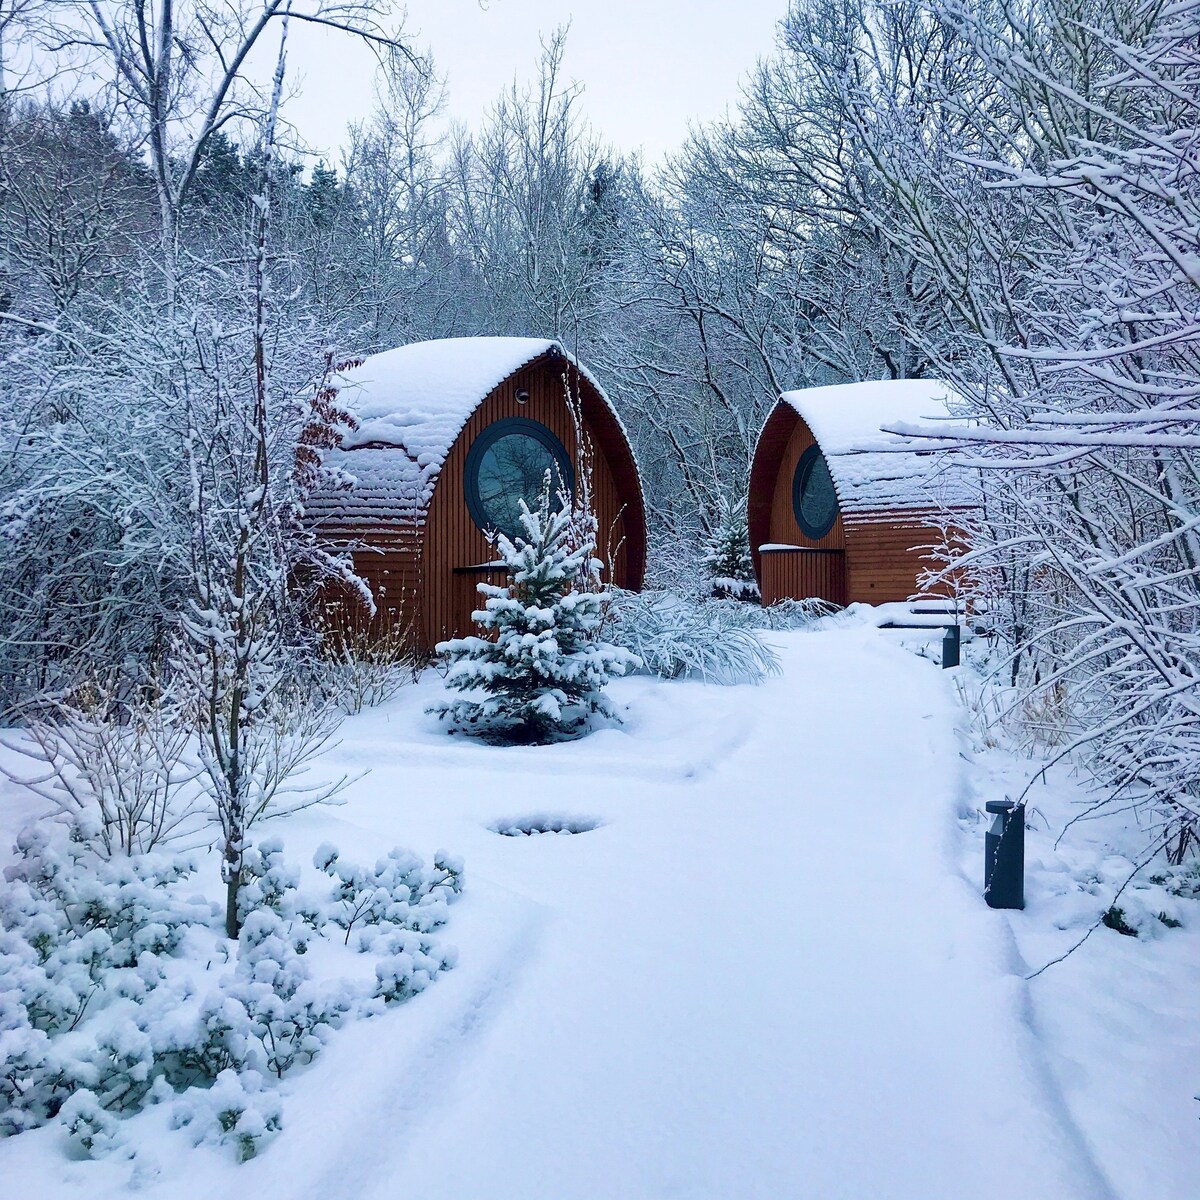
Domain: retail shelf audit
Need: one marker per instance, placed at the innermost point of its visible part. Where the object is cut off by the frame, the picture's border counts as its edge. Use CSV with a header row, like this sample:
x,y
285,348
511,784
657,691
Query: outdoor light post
x,y
950,646
1004,855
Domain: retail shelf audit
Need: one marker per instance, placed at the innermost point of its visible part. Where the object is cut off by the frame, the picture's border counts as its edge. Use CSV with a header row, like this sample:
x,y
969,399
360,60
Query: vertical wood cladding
x,y
764,477
411,570
388,560
883,552
783,527
800,574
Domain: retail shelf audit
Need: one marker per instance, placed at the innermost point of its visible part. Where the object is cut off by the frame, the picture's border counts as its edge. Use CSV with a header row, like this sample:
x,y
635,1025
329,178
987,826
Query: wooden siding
x,y
885,556
801,574
388,560
784,527
453,540
764,475
882,556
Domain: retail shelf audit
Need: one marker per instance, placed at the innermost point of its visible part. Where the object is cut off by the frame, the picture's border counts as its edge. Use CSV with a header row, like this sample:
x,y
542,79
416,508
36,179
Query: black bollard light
x,y
1004,856
950,646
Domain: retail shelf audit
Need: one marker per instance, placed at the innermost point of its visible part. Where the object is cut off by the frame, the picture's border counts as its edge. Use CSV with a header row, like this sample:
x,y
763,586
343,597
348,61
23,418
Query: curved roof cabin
x,y
839,510
450,435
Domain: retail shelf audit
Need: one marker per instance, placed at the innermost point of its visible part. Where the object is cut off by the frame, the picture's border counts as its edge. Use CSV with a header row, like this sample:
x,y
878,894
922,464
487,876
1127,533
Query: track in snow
x,y
766,982
761,976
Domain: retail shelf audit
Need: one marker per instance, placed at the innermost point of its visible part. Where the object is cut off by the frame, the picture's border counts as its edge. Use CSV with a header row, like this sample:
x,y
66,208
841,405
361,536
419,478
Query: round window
x,y
814,501
506,464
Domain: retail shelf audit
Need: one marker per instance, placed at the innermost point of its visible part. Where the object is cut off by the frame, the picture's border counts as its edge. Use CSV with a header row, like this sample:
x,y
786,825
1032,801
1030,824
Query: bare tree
x,y
257,734
115,764
178,72
1065,228
403,265
73,202
519,203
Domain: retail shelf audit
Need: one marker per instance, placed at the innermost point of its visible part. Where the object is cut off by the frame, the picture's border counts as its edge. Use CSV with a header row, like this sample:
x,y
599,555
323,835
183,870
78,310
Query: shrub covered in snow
x,y
541,676
92,1128
709,639
543,822
398,891
729,587
100,1012
409,965
795,614
116,761
269,882
359,670
237,1109
281,1017
83,943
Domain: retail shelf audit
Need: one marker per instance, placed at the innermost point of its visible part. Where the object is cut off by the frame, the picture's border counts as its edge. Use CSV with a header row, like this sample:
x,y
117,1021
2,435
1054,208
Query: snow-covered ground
x,y
766,972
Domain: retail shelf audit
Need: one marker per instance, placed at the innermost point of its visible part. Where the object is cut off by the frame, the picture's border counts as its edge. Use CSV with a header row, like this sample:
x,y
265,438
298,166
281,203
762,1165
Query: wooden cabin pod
x,y
450,435
840,511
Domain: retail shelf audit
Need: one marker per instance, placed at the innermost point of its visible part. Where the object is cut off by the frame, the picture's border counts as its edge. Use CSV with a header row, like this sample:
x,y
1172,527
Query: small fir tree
x,y
542,667
727,553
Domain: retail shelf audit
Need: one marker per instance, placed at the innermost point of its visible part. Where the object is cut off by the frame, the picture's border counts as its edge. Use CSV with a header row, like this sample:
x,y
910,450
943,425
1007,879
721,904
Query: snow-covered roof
x,y
872,469
420,396
411,404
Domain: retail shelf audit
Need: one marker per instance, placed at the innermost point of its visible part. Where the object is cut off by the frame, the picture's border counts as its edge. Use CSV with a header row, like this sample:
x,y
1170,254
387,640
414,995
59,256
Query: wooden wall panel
x,y
453,540
389,562
621,539
764,472
886,554
784,527
803,574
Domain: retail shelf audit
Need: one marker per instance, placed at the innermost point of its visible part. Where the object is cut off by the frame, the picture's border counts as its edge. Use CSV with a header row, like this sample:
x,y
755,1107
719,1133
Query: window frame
x,y
508,427
804,470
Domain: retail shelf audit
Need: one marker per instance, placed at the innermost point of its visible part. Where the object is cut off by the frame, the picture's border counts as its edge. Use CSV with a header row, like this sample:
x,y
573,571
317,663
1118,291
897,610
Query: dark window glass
x,y
506,464
814,501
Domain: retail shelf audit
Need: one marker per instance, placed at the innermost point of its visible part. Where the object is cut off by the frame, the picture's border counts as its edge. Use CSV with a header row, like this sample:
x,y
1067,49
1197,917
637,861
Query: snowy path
x,y
762,979
763,976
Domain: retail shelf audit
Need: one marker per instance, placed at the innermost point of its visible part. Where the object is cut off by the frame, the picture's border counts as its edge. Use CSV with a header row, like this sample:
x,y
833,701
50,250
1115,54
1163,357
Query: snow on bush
x,y
269,882
540,678
93,1130
409,965
102,1009
1088,870
117,761
237,1109
708,639
83,941
360,670
543,822
1121,897
280,1016
398,891
727,587
796,614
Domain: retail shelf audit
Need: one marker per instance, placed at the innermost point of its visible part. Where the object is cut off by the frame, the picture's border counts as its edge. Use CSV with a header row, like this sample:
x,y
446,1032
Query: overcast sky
x,y
648,67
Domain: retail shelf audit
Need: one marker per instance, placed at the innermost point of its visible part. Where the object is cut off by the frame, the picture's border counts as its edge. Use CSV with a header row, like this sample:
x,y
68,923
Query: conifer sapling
x,y
727,553
539,675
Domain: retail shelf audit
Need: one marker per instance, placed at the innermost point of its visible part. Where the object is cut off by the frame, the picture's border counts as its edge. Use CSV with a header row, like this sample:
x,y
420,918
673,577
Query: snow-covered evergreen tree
x,y
727,552
544,667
